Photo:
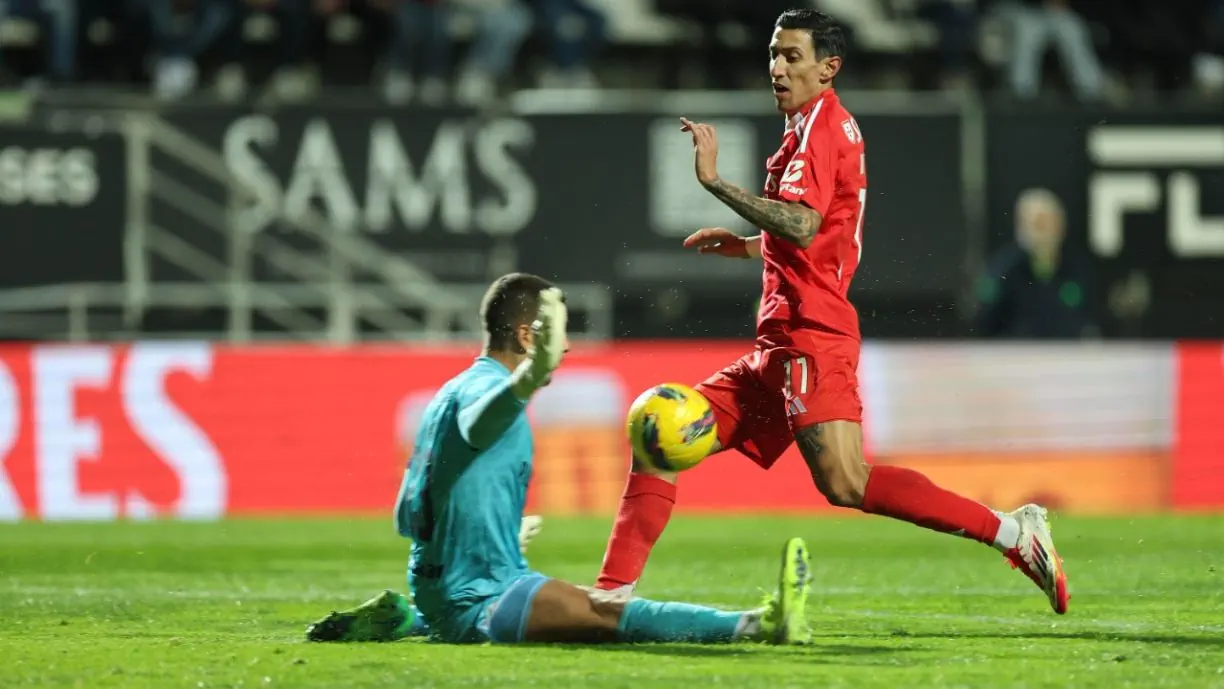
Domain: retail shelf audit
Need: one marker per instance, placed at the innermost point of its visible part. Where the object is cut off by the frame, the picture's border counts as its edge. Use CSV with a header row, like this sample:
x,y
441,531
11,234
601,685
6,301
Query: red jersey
x,y
822,165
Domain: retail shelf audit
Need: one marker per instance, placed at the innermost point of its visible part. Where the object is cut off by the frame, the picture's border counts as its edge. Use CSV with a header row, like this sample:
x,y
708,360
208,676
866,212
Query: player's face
x,y
797,72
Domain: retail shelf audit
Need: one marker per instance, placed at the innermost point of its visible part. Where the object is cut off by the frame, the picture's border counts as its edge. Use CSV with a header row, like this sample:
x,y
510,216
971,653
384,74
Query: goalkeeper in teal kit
x,y
461,502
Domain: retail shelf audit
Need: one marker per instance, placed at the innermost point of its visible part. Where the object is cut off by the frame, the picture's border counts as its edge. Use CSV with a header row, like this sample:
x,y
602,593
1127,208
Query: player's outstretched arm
x,y
793,222
482,422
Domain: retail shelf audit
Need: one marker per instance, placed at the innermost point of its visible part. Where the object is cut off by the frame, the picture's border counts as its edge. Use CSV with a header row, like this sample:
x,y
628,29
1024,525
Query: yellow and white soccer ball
x,y
671,427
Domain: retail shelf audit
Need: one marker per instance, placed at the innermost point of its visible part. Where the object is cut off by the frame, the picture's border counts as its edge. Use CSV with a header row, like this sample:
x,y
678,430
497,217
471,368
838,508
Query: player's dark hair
x,y
512,300
828,36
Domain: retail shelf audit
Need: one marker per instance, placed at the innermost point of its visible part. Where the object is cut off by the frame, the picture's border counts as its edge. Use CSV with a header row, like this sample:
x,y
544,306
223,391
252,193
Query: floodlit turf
x,y
224,605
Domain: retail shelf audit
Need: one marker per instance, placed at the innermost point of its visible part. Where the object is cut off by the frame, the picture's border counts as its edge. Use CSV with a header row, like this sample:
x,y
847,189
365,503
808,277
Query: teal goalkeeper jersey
x,y
464,491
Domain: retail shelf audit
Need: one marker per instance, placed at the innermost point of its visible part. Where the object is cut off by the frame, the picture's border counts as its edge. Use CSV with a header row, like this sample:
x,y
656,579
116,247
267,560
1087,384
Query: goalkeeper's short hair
x,y
511,301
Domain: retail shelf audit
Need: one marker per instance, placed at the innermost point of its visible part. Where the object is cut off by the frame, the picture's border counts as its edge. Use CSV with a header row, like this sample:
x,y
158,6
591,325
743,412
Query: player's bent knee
x,y
842,490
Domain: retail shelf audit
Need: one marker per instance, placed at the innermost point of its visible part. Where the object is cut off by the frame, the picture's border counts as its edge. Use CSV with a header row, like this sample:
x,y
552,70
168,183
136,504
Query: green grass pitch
x,y
198,605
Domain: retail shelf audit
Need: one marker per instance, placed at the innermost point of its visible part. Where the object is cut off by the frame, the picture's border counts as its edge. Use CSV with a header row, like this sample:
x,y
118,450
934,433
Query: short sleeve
x,y
477,387
810,175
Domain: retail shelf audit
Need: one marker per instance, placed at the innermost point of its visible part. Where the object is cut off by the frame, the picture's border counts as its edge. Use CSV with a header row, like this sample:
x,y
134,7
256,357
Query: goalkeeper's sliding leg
x,y
535,608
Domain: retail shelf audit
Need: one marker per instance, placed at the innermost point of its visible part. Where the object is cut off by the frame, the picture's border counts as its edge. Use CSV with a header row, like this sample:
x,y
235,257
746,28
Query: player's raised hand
x,y
719,241
705,149
548,345
550,341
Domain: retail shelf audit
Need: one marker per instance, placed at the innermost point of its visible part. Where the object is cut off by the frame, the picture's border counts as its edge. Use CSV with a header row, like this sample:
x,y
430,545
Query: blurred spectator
x,y
1034,25
182,30
1033,289
1215,22
1162,40
1209,65
956,22
294,18
571,51
301,43
59,23
422,31
501,27
710,16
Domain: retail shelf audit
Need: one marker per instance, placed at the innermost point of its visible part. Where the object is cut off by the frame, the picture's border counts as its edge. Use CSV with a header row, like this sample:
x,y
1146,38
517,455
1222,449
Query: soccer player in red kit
x,y
800,382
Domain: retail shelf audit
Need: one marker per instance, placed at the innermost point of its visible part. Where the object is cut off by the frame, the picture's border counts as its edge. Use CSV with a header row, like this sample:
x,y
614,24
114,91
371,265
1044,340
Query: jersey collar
x,y
497,364
796,121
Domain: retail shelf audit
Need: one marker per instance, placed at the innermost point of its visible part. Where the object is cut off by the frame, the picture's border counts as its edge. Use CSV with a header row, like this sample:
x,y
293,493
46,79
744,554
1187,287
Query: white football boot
x,y
1036,556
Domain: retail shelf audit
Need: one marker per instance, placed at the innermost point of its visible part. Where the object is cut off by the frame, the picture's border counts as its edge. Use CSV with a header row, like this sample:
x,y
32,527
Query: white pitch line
x,y
239,595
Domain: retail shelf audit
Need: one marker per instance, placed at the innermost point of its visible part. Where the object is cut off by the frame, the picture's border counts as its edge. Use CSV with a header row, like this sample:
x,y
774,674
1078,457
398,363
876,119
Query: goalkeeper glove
x,y
548,345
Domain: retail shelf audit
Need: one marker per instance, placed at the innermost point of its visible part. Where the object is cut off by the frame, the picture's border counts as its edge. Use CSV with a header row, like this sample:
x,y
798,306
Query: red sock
x,y
644,510
909,496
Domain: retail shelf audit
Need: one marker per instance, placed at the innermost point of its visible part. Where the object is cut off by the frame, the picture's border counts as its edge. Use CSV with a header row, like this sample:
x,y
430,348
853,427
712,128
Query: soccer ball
x,y
671,427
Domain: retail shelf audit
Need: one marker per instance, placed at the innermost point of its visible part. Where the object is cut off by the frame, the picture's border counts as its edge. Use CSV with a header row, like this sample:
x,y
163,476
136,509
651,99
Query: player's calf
x,y
567,614
645,508
561,612
542,610
834,455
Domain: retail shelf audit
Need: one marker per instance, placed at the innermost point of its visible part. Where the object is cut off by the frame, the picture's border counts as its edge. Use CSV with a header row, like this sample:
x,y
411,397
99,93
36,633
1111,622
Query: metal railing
x,y
401,301
84,312
344,252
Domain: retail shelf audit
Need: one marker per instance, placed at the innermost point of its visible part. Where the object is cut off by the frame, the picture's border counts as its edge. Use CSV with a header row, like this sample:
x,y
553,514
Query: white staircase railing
x,y
401,300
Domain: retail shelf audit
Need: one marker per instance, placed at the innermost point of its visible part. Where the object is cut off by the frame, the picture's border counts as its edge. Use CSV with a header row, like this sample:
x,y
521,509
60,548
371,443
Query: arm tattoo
x,y
790,221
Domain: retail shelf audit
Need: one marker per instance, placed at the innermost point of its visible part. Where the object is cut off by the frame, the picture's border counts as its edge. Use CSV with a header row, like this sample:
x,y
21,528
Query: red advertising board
x,y
195,430
1198,470
202,431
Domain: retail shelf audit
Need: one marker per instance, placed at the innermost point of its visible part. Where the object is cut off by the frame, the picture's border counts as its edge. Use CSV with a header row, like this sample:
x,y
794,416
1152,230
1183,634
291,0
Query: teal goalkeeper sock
x,y
646,620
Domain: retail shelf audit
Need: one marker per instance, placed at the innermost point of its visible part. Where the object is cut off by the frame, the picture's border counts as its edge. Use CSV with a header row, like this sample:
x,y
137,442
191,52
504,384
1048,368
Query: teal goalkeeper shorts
x,y
500,619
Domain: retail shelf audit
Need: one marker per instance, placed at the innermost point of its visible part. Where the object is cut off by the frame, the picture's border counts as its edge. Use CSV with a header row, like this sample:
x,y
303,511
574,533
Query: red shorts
x,y
764,397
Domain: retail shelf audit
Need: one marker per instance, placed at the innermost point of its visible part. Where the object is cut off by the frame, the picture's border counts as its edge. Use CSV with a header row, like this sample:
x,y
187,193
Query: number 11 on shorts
x,y
799,366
